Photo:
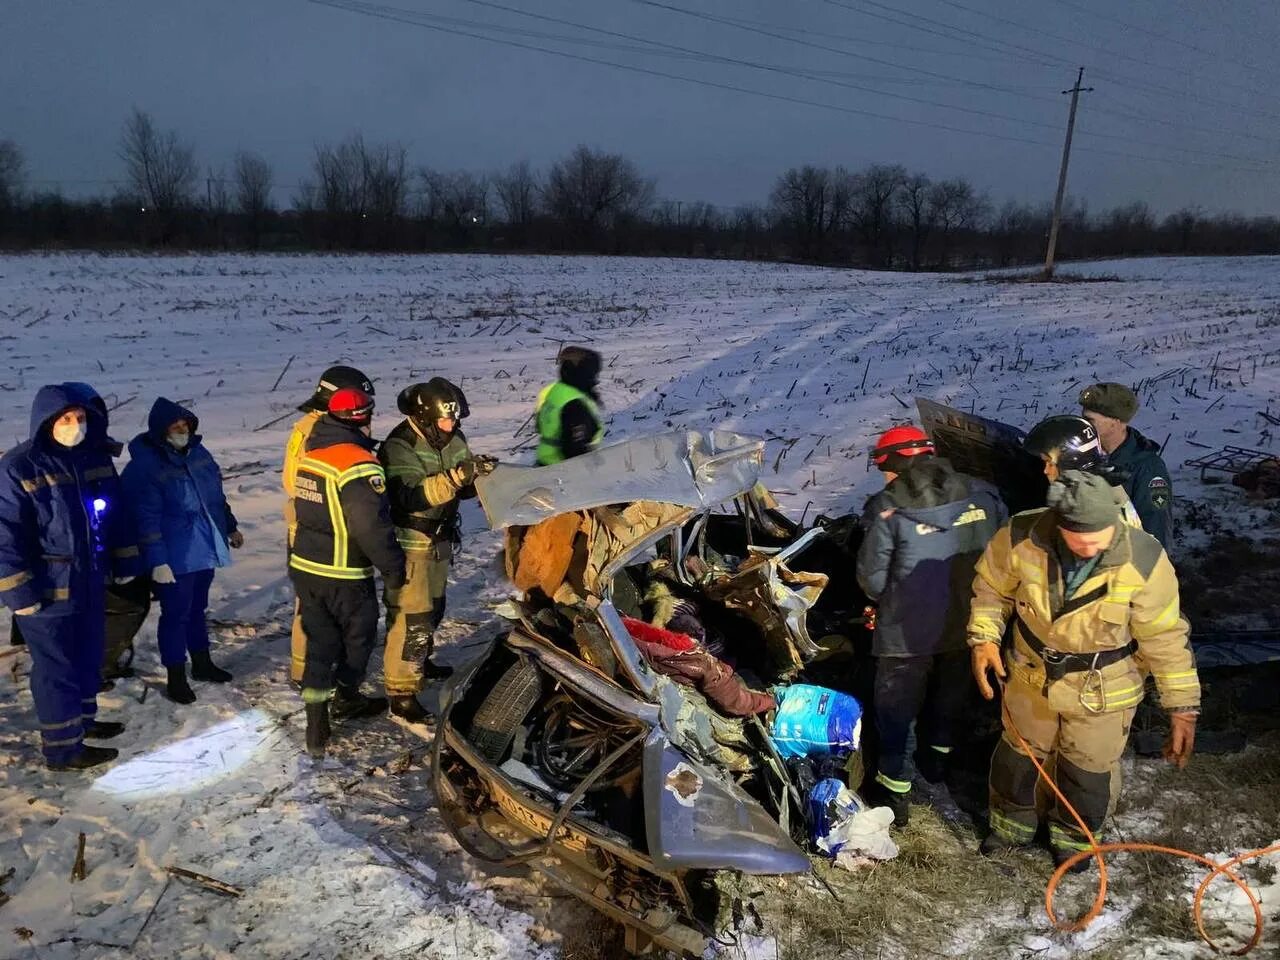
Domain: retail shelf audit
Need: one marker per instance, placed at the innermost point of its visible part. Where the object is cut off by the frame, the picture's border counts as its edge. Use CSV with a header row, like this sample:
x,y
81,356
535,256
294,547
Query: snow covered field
x,y
349,860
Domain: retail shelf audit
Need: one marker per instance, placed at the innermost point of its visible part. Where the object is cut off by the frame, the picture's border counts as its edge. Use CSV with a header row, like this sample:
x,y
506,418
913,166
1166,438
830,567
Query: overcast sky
x,y
1180,94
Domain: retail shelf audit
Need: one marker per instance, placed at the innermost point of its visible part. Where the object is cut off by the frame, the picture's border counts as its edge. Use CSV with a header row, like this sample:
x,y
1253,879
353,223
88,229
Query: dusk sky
x,y
1180,114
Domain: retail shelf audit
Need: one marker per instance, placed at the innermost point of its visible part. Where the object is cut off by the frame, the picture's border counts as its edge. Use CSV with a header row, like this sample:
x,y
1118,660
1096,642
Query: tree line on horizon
x,y
361,196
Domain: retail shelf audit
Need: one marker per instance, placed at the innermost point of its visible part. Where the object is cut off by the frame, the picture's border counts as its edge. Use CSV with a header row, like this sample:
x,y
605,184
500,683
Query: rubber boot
x,y
202,668
879,795
993,845
318,731
1061,856
177,689
350,704
86,758
103,730
408,708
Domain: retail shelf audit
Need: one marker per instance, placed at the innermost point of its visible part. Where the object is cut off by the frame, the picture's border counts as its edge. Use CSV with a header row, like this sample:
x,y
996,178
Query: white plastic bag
x,y
860,830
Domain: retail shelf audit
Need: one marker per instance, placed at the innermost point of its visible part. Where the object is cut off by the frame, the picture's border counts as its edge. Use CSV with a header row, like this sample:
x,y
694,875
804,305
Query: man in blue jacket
x,y
185,527
924,534
62,535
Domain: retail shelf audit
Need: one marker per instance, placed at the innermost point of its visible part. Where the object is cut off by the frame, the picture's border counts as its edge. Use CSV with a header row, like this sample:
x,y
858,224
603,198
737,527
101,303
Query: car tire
x,y
504,709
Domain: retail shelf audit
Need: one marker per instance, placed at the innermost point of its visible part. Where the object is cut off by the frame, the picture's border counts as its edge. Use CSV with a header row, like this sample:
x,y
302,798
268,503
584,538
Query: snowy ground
x,y
350,860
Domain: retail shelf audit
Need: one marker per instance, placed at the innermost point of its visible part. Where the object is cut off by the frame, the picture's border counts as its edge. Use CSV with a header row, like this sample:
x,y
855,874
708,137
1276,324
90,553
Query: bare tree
x,y
591,191
875,192
253,184
12,173
459,201
956,206
161,169
517,190
384,181
802,203
338,188
918,213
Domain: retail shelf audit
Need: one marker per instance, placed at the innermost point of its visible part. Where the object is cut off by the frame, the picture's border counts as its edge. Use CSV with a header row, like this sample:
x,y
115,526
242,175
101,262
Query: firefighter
x,y
924,533
63,534
568,411
332,380
1084,593
1110,407
343,532
429,469
1071,443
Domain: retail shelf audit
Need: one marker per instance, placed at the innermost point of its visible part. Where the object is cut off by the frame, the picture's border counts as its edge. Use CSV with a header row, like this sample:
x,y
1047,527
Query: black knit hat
x,y
1083,502
1113,400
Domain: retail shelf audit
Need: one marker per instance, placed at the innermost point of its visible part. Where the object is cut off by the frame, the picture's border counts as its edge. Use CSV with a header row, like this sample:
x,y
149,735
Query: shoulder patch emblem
x,y
379,485
1157,482
1158,489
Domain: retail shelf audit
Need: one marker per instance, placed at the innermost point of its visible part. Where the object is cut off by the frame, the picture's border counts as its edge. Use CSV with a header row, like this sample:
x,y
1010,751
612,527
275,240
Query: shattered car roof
x,y
685,468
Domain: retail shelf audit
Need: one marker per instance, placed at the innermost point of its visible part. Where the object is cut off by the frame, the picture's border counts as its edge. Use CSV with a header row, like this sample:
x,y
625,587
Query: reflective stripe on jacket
x,y
424,502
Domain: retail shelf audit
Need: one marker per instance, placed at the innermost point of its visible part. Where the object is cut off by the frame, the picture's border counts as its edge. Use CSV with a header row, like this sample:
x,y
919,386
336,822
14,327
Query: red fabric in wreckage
x,y
679,656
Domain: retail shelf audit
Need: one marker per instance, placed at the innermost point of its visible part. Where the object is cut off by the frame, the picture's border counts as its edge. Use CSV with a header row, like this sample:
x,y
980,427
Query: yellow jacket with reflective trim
x,y
1132,593
294,451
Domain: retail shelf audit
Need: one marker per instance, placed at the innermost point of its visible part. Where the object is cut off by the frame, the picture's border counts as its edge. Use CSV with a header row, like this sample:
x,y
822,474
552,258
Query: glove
x,y
163,574
27,611
485,464
1182,738
121,581
986,656
236,540
464,474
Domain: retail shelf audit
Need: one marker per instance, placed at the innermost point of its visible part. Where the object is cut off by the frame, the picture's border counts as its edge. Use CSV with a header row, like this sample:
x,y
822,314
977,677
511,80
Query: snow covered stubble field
x,y
349,860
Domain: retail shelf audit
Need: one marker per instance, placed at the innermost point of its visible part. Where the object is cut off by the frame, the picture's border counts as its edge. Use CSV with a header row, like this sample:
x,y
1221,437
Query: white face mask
x,y
69,434
179,440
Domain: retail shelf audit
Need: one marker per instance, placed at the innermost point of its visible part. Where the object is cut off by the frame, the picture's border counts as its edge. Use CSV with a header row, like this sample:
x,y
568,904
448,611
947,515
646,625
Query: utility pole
x,y
1062,174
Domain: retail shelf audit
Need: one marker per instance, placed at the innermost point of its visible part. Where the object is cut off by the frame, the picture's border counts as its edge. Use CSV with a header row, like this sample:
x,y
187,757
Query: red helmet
x,y
351,405
906,441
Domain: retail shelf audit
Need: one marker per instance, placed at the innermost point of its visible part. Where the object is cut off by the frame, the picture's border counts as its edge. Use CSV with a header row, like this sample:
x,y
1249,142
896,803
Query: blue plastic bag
x,y
815,722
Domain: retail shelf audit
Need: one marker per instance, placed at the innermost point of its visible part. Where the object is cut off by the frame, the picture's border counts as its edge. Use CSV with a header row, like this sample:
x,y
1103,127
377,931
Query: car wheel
x,y
504,709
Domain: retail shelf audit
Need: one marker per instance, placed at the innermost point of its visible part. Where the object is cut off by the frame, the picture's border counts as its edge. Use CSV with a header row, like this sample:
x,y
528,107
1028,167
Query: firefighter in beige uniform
x,y
1084,593
429,469
331,381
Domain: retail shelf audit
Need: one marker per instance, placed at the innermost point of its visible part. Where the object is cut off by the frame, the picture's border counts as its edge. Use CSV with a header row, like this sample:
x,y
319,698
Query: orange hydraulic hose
x,y
1097,850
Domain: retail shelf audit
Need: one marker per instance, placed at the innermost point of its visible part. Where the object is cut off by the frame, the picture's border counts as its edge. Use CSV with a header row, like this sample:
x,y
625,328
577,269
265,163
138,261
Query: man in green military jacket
x,y
429,470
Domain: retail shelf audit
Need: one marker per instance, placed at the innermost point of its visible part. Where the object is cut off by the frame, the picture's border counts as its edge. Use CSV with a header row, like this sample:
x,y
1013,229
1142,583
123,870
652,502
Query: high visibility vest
x,y
551,401
322,545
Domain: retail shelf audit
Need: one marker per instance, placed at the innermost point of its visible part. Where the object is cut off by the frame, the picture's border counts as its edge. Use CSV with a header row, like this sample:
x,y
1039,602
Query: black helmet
x,y
333,380
1070,442
579,367
437,399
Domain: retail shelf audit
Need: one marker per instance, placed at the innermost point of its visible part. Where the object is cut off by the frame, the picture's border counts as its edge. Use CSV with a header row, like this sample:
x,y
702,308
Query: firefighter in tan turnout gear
x,y
331,381
429,469
1084,593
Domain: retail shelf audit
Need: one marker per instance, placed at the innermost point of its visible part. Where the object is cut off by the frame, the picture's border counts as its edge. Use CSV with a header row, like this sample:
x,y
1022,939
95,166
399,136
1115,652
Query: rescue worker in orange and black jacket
x,y
344,531
332,380
1086,594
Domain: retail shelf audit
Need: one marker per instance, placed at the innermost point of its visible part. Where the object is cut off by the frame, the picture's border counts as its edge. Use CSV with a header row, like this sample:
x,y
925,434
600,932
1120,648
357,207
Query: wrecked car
x,y
563,747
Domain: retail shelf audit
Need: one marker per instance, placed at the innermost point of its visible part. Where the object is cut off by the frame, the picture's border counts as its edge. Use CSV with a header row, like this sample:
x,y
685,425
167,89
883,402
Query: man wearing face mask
x,y
1085,592
185,527
62,535
430,469
344,532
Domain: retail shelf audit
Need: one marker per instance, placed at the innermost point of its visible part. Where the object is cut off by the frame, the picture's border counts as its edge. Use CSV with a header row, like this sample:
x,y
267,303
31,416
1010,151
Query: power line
x,y
860,6
1124,138
391,14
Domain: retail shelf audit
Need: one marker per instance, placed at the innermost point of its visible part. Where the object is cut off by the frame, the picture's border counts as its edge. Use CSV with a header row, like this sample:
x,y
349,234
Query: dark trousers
x,y
182,625
932,690
340,620
66,668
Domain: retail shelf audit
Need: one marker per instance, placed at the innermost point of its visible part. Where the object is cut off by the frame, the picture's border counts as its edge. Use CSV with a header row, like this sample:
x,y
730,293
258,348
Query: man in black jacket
x,y
924,533
344,531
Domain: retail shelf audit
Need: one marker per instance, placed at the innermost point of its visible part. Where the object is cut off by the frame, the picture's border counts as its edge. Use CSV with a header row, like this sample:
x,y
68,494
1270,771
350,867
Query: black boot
x,y
1061,856
317,728
992,845
202,668
435,671
178,690
103,730
408,708
879,795
350,704
933,765
86,758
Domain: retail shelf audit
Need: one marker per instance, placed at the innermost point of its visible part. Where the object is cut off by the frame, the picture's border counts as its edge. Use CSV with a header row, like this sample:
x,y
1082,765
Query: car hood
x,y
688,469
